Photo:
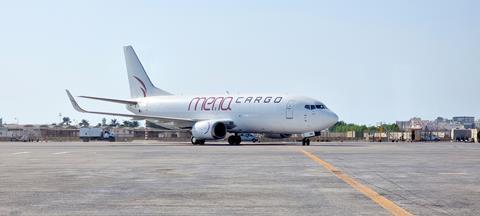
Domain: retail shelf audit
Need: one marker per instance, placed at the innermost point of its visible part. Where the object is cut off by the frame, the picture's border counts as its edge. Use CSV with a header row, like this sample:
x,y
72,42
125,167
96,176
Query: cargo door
x,y
289,109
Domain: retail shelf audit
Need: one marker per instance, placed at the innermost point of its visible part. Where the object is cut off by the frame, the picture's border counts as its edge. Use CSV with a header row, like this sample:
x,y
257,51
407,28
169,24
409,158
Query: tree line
x,y
66,121
341,126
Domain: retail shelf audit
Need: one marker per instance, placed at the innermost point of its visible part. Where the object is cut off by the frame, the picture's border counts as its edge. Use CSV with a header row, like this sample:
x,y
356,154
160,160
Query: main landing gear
x,y
234,140
196,141
305,141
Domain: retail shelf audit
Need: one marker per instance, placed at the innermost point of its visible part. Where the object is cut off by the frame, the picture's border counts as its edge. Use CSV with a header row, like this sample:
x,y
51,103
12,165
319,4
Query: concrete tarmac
x,y
154,178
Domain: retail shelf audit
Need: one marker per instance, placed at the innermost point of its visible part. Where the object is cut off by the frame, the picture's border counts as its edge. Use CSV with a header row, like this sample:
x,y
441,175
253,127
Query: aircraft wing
x,y
181,121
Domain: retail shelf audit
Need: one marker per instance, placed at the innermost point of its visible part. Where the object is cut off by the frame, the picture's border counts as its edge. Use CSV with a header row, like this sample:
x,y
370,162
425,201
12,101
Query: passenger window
x,y
307,106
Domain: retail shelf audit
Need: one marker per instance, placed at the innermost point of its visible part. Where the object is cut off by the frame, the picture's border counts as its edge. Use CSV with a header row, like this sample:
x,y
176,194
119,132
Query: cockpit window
x,y
316,106
320,106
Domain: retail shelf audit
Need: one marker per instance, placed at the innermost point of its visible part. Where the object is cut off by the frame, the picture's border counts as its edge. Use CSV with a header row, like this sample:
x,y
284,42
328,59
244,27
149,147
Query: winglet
x,y
74,103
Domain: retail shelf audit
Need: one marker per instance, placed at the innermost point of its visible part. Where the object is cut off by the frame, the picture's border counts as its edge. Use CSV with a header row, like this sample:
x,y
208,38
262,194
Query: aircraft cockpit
x,y
316,106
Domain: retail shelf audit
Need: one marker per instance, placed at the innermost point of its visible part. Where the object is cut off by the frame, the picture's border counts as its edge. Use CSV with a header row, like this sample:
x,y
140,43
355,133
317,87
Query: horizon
x,y
75,122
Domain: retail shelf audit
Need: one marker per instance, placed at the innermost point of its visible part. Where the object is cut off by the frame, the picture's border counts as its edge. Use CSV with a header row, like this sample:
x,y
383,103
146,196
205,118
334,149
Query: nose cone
x,y
332,118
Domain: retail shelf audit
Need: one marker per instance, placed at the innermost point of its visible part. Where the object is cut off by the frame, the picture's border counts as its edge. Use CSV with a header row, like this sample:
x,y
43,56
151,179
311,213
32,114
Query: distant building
x,y
3,130
413,123
403,125
467,121
439,124
443,124
478,124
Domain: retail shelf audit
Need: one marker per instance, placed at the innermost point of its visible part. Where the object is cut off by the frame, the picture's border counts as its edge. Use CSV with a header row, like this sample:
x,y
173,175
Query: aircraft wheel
x,y
305,141
238,140
194,140
231,140
234,140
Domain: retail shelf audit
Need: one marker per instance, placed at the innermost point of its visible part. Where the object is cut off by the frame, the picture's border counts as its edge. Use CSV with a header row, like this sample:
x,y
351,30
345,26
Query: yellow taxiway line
x,y
387,204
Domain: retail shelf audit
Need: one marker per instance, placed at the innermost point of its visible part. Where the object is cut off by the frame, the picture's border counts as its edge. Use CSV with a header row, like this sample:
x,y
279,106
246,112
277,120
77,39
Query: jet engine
x,y
277,136
209,130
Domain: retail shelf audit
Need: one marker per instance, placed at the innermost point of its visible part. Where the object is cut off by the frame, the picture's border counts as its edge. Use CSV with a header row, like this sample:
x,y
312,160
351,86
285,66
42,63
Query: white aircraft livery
x,y
211,117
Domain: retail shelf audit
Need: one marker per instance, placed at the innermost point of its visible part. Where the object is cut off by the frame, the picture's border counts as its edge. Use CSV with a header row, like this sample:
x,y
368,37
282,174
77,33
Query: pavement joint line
x,y
452,173
58,153
17,153
385,203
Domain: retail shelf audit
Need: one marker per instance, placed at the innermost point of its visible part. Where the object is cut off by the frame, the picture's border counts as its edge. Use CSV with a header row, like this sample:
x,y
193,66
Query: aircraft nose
x,y
332,118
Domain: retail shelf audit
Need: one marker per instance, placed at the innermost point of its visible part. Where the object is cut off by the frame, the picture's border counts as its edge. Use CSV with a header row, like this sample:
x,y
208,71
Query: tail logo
x,y
144,89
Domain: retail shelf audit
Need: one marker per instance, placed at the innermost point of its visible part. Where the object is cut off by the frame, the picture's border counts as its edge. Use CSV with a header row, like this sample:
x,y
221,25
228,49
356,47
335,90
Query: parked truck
x,y
95,133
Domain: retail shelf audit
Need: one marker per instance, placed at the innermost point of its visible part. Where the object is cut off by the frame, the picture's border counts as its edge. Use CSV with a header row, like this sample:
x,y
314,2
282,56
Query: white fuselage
x,y
211,117
251,113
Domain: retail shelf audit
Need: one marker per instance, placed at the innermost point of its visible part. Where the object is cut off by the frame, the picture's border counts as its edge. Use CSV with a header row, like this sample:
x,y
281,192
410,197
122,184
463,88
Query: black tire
x,y
193,140
231,140
305,141
238,140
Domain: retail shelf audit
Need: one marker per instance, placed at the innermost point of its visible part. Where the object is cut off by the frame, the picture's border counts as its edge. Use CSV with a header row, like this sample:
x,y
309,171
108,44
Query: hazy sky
x,y
369,61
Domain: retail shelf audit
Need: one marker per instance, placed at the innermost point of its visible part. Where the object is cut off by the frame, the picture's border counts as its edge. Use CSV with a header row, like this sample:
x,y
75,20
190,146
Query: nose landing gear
x,y
305,141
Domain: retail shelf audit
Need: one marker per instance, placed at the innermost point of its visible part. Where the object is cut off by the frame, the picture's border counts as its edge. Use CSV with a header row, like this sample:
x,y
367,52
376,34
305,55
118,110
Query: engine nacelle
x,y
277,136
209,130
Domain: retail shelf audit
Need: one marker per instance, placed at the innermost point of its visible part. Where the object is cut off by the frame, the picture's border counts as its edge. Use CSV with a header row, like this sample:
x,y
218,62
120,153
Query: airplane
x,y
211,117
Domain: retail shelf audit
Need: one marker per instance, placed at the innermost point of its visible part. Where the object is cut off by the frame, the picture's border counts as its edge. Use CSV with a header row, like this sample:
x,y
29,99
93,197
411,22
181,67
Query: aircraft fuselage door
x,y
289,109
306,116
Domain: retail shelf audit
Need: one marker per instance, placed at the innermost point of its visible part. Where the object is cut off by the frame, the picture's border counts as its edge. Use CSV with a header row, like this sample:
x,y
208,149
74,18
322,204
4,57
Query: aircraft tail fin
x,y
140,84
